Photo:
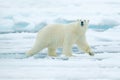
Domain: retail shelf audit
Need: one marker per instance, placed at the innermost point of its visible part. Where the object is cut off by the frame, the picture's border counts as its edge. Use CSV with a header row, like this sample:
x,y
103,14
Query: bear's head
x,y
83,24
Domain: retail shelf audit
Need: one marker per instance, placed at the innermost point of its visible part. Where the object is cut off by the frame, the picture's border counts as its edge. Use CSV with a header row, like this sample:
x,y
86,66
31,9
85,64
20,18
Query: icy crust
x,y
103,66
7,26
100,67
30,16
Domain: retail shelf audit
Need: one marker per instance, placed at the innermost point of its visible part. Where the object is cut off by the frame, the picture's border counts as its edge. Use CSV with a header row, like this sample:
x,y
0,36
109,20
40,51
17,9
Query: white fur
x,y
61,35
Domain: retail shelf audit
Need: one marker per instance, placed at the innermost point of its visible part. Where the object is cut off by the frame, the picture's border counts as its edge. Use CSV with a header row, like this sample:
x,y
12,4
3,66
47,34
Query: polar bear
x,y
62,35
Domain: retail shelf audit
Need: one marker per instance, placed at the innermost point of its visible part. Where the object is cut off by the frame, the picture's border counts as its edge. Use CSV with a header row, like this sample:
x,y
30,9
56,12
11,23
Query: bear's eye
x,y
82,23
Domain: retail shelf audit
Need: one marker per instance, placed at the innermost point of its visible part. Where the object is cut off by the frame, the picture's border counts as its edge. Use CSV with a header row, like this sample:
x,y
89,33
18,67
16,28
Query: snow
x,y
33,13
21,19
84,67
103,66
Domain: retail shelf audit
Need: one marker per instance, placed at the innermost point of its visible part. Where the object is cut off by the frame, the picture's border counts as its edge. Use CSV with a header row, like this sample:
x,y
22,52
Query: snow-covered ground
x,y
101,67
104,65
21,19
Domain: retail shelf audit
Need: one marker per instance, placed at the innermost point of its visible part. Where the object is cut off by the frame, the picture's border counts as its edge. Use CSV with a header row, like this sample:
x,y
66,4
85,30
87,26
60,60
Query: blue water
x,y
22,26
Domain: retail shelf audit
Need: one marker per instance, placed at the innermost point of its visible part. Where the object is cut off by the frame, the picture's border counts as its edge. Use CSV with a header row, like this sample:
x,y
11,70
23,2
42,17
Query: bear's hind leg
x,y
52,52
34,50
31,52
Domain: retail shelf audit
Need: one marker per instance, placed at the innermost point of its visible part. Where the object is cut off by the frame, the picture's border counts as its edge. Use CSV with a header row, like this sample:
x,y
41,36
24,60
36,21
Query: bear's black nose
x,y
82,23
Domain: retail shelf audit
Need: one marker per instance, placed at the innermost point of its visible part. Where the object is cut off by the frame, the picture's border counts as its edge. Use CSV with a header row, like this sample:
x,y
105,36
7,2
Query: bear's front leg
x,y
82,44
52,52
67,51
67,47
